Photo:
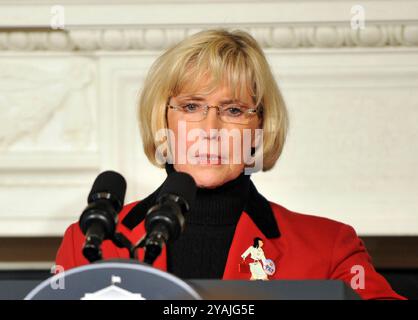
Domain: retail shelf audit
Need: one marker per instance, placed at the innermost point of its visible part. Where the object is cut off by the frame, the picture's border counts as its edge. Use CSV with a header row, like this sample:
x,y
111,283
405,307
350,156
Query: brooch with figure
x,y
260,267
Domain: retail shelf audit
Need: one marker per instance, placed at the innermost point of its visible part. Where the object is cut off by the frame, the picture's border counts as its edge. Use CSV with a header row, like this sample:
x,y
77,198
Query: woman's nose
x,y
211,120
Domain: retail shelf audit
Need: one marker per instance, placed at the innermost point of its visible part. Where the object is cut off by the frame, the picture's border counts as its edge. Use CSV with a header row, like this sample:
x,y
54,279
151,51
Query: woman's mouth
x,y
209,159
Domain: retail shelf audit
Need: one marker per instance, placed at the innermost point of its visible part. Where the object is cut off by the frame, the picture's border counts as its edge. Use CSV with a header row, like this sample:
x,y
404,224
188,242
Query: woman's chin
x,y
206,176
209,177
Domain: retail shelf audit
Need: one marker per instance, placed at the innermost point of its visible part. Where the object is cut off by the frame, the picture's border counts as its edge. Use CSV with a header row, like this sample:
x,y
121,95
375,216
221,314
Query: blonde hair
x,y
233,57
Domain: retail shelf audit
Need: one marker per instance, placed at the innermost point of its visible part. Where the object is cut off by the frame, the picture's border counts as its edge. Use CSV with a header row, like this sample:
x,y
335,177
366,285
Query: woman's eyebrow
x,y
200,98
228,100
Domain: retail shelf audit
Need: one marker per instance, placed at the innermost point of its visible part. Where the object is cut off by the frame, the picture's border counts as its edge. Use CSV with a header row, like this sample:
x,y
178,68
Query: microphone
x,y
99,219
164,221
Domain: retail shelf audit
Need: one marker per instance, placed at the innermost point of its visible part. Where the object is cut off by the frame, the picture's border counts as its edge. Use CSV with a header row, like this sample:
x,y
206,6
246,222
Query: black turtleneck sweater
x,y
202,249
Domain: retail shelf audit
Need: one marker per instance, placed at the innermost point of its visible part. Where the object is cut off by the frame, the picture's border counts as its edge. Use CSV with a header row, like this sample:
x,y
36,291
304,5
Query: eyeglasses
x,y
228,113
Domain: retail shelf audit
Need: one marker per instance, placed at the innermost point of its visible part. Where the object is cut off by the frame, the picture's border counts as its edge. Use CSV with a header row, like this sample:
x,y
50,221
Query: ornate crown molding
x,y
113,25
276,37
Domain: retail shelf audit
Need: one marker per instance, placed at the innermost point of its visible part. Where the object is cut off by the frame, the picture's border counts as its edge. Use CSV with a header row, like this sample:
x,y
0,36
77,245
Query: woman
x,y
202,108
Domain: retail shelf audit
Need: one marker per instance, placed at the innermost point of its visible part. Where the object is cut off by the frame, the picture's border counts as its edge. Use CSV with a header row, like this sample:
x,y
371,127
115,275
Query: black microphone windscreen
x,y
110,182
180,184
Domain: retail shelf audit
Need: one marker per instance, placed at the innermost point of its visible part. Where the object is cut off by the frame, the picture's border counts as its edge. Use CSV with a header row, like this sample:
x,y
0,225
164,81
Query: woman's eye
x,y
191,107
234,111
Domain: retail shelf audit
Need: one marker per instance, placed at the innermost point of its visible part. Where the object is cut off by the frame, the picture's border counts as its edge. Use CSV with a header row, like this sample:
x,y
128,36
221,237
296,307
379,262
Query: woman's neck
x,y
222,205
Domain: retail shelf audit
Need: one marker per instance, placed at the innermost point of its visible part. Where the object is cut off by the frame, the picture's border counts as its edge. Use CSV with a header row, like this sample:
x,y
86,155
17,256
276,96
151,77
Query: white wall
x,y
67,105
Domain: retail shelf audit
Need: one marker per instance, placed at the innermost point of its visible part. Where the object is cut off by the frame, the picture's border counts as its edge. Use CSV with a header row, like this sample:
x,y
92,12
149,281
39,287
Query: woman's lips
x,y
209,159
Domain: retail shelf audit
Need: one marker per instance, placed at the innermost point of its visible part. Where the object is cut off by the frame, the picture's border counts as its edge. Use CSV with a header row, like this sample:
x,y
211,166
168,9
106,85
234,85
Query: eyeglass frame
x,y
257,110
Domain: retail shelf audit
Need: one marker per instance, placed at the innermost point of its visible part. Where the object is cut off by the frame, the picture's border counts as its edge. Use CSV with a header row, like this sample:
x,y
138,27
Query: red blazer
x,y
309,247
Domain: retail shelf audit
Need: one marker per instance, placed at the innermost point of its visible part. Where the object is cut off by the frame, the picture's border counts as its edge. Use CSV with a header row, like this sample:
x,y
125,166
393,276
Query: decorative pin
x,y
261,267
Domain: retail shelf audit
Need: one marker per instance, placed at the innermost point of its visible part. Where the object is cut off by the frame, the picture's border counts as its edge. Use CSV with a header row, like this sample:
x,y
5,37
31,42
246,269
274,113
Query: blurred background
x,y
70,75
